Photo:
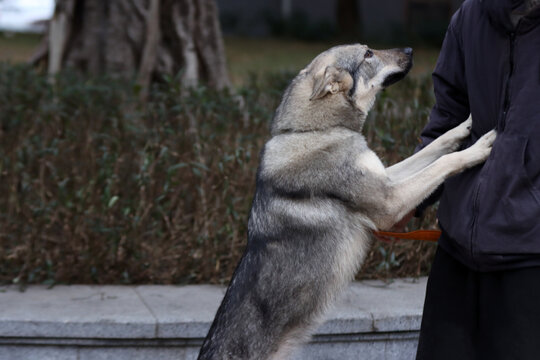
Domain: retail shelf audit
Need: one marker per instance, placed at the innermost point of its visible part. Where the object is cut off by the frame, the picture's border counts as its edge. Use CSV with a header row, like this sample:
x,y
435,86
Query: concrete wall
x,y
247,17
381,19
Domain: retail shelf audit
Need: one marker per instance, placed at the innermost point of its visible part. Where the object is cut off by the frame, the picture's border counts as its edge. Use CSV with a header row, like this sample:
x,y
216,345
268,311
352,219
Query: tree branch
x,y
184,31
59,29
149,53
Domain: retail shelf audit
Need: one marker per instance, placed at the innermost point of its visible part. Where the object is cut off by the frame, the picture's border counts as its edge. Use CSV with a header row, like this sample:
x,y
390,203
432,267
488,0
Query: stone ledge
x,y
373,317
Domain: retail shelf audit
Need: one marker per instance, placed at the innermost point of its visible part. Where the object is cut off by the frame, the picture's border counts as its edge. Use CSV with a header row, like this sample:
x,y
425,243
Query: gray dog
x,y
321,192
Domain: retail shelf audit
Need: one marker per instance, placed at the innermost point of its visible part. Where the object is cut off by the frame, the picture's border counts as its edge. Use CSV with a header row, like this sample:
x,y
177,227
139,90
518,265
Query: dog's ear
x,y
333,80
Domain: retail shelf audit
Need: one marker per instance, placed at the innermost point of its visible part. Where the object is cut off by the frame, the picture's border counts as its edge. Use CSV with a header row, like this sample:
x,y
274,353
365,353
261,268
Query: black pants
x,y
480,315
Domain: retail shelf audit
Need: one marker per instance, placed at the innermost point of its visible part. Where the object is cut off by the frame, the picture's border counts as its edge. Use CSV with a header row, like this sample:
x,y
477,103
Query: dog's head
x,y
338,84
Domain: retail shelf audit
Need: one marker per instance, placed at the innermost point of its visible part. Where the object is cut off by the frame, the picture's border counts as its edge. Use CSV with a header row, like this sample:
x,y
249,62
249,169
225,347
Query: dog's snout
x,y
406,61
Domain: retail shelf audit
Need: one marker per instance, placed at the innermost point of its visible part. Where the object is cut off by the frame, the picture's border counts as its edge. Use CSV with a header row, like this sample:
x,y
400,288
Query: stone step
x,y
373,320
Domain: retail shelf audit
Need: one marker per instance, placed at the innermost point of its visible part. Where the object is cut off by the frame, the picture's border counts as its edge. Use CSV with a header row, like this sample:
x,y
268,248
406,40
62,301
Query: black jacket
x,y
490,215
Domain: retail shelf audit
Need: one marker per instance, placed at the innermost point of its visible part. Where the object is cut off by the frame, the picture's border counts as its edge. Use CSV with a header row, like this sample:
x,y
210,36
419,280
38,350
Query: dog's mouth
x,y
393,78
406,65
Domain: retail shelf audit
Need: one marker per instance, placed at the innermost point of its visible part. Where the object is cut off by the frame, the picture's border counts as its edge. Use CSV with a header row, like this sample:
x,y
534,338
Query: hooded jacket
x,y
490,214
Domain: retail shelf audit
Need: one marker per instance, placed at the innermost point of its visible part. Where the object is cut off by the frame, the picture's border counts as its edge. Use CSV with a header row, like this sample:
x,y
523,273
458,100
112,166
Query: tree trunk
x,y
142,38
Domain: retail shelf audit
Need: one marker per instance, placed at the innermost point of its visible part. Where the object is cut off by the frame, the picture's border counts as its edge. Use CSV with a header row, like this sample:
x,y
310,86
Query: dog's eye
x,y
368,54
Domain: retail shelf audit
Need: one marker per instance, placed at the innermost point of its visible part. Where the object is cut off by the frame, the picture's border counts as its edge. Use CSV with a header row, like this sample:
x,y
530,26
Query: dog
x,y
320,194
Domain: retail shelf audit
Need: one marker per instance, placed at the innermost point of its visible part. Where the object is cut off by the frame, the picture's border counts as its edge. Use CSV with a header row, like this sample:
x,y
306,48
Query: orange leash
x,y
423,235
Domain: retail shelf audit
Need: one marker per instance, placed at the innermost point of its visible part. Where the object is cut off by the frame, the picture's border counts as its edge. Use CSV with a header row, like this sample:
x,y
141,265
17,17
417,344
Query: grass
x,y
17,47
250,55
245,56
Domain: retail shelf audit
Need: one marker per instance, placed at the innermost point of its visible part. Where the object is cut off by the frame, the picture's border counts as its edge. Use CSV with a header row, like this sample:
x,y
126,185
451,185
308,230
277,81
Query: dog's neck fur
x,y
334,110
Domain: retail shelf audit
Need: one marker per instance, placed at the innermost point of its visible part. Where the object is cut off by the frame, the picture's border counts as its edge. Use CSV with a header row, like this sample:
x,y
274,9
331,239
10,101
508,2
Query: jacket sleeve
x,y
452,103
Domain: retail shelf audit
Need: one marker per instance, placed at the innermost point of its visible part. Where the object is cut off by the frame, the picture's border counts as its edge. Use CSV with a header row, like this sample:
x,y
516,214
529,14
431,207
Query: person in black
x,y
483,293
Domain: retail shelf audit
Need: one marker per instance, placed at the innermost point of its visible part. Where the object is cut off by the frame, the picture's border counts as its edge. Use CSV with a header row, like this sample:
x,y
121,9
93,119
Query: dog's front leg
x,y
407,193
446,143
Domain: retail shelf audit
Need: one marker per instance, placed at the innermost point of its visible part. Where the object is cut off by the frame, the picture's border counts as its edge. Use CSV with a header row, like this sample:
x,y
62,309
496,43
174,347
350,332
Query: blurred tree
x,y
348,19
142,37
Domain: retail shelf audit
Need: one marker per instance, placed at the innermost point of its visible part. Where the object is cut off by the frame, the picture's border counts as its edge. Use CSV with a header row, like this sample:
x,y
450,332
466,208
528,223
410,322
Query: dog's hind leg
x,y
443,145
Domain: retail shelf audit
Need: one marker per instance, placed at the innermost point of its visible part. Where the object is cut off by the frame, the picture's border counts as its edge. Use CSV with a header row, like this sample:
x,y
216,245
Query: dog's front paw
x,y
464,129
481,149
487,139
452,139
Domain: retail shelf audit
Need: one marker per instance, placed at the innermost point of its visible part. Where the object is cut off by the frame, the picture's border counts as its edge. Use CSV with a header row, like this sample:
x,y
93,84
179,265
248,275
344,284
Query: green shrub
x,y
98,187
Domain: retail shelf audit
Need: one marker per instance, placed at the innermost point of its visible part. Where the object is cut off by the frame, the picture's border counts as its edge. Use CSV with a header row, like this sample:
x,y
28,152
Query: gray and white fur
x,y
320,194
